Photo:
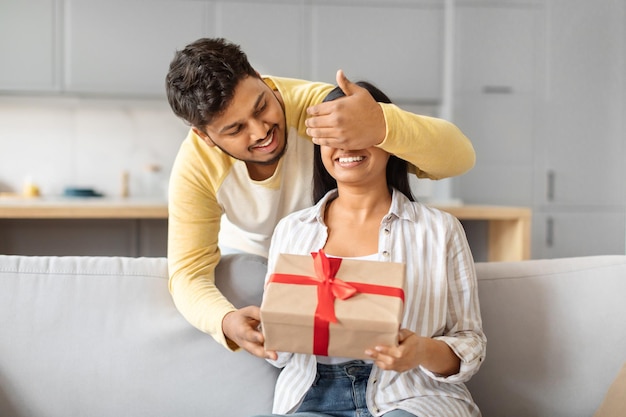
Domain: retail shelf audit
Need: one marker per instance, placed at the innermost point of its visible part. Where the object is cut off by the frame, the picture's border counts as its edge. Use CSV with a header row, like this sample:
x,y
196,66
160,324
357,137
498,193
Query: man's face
x,y
252,128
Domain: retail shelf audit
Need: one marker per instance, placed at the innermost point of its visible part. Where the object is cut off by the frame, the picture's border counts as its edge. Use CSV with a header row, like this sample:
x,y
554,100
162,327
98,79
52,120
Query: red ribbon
x,y
330,287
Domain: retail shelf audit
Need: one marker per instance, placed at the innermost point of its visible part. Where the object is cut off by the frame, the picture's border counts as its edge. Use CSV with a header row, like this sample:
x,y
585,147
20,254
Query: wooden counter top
x,y
120,208
478,212
509,231
509,227
82,208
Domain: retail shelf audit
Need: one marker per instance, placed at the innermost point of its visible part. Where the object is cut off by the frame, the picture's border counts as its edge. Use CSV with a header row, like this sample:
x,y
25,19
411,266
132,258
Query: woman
x,y
365,210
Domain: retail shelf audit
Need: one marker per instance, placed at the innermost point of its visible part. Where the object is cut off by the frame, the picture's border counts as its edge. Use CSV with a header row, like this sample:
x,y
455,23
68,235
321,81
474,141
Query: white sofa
x,y
100,336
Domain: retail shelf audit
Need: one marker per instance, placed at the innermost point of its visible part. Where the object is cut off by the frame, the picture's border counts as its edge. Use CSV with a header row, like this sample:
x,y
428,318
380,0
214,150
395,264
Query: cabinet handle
x,y
550,232
497,89
550,185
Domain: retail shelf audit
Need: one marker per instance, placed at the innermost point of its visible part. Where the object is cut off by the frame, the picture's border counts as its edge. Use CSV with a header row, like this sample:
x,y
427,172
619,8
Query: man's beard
x,y
272,161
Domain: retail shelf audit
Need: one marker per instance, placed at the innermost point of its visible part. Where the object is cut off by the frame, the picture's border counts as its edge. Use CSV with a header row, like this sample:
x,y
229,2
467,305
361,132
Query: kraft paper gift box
x,y
613,404
332,306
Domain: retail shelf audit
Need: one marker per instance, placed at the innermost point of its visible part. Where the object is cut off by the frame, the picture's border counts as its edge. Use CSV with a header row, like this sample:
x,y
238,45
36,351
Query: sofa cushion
x,y
555,331
101,336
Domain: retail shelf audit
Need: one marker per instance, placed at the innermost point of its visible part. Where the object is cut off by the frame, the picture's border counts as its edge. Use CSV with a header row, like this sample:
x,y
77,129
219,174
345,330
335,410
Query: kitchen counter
x,y
81,208
83,226
509,229
508,237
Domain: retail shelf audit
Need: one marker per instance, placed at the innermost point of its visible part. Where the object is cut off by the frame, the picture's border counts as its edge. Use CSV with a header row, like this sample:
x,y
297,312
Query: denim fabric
x,y
399,413
339,391
394,413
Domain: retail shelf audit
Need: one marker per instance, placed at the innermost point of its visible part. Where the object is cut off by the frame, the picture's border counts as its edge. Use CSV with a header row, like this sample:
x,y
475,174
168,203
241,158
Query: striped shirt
x,y
441,301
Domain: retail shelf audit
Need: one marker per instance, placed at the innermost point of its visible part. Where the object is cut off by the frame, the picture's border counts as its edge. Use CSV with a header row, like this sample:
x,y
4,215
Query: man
x,y
247,162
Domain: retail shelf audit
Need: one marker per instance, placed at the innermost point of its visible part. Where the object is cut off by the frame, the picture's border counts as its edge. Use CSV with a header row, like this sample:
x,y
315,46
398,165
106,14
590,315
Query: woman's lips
x,y
348,161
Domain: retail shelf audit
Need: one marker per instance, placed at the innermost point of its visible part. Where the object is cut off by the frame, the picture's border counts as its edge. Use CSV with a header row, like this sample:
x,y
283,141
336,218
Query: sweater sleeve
x,y
193,254
435,147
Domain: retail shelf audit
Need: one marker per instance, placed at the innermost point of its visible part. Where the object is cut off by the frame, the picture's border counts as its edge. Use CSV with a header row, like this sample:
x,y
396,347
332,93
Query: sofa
x,y
100,336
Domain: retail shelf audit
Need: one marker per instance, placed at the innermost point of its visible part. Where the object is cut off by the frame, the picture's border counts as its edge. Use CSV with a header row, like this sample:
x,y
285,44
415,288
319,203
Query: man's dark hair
x,y
202,77
397,169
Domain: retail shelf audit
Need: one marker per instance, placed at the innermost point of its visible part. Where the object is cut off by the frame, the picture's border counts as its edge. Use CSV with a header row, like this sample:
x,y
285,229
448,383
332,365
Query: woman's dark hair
x,y
202,77
397,169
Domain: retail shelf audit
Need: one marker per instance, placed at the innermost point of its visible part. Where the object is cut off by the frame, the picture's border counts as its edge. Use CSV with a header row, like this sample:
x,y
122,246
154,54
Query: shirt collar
x,y
316,213
401,207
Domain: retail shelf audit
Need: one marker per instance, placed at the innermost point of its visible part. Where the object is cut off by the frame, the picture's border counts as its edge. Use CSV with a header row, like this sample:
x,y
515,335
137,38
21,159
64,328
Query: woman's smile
x,y
350,161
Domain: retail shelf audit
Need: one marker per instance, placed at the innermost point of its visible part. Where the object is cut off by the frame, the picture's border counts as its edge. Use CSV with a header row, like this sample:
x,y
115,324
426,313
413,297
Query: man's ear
x,y
203,136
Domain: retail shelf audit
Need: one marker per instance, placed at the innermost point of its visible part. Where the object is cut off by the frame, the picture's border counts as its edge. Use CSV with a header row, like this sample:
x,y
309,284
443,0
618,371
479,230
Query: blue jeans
x,y
394,413
339,391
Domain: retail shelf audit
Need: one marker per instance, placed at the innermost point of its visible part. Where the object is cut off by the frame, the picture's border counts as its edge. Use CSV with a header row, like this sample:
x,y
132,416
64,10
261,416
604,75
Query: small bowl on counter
x,y
81,192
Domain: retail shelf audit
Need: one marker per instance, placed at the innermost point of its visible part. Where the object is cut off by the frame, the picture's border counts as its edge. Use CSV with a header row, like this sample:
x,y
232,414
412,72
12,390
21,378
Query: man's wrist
x,y
229,342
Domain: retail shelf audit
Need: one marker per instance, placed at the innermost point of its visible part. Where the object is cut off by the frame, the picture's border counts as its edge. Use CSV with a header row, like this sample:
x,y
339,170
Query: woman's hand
x,y
413,351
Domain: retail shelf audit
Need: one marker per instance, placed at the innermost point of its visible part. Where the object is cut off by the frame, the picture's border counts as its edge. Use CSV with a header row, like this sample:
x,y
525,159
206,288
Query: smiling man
x,y
248,160
254,112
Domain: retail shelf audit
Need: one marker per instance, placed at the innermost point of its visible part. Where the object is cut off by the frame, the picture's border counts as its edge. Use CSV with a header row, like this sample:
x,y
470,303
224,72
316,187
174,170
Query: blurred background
x,y
537,85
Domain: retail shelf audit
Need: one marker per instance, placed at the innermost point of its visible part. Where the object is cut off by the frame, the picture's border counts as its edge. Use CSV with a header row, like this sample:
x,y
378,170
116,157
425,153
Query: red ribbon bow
x,y
329,287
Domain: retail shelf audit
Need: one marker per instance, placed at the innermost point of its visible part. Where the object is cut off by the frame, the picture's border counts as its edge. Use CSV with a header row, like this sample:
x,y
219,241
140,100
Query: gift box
x,y
332,306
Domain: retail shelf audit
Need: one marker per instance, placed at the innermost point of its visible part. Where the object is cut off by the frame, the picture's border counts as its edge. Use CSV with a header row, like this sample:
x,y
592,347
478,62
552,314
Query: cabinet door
x,y
397,48
566,234
500,127
276,49
27,45
494,99
582,143
69,237
495,48
125,47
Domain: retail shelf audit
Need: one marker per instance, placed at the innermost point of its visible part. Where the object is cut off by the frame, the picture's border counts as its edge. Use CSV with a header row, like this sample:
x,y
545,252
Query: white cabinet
x,y
565,233
539,89
110,48
398,48
501,129
496,48
495,89
580,191
582,139
28,45
273,46
125,48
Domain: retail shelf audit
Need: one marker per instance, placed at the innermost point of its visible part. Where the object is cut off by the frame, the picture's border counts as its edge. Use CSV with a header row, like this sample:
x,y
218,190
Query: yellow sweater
x,y
212,199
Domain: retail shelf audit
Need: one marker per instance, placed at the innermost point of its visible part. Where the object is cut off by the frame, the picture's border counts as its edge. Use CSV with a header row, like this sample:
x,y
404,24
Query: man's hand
x,y
355,121
241,327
